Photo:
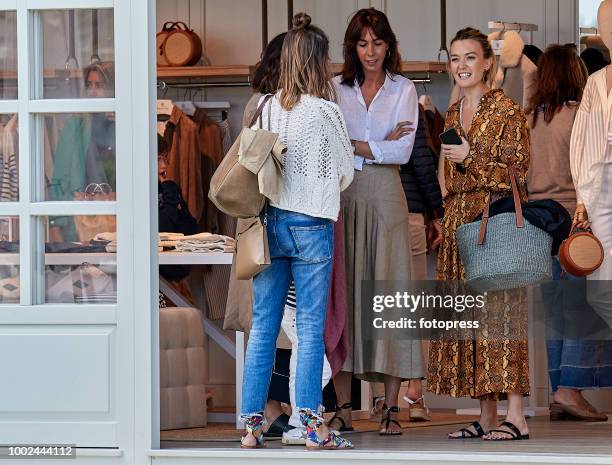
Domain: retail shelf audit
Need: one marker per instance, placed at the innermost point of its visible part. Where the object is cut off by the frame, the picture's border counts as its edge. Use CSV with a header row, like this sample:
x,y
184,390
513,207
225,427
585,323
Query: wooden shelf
x,y
60,73
409,67
233,71
204,71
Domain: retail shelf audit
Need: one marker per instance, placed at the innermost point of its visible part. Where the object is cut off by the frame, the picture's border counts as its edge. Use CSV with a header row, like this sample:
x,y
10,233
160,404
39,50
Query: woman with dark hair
x,y
573,365
265,77
317,167
380,107
85,151
491,364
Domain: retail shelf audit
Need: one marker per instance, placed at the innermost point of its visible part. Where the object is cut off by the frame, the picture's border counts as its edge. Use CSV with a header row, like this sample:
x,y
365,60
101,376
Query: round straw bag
x,y
160,37
182,46
581,253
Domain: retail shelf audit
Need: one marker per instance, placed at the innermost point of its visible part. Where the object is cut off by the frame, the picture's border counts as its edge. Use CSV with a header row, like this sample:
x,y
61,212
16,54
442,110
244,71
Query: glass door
x,y
75,222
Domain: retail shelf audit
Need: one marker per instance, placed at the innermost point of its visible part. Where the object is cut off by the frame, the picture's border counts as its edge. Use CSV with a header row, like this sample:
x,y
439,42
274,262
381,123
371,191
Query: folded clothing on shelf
x,y
206,243
110,238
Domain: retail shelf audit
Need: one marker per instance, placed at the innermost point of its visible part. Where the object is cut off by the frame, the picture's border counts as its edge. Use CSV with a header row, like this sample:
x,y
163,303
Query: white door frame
x,y
131,326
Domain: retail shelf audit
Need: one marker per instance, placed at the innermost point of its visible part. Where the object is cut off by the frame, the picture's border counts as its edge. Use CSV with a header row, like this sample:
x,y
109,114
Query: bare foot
x,y
391,427
341,415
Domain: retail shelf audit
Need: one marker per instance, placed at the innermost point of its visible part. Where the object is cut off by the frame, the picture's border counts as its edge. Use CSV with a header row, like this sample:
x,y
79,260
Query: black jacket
x,y
419,176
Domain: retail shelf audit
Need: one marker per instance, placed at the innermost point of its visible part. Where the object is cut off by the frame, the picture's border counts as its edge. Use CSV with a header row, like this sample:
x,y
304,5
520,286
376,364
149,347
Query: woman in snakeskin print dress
x,y
495,135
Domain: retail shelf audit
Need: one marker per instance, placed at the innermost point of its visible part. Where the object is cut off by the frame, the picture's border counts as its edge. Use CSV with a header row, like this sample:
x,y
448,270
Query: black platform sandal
x,y
386,420
513,435
342,428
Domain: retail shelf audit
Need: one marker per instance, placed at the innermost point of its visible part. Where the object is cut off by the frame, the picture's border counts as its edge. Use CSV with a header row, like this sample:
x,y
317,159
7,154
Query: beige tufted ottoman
x,y
182,368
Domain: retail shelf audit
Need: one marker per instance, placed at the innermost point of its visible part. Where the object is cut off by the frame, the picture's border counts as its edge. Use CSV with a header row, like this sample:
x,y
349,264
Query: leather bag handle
x,y
169,26
259,110
518,209
181,23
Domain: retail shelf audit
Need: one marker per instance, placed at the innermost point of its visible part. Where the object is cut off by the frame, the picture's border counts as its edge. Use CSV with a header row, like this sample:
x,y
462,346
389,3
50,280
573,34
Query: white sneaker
x,y
295,437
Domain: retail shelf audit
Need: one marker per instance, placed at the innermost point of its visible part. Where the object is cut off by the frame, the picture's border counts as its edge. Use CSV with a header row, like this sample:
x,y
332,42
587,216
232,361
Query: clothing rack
x,y
507,26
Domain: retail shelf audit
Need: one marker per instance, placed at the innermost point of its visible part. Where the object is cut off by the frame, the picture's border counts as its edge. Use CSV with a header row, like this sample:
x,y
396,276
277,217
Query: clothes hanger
x,y
165,107
427,103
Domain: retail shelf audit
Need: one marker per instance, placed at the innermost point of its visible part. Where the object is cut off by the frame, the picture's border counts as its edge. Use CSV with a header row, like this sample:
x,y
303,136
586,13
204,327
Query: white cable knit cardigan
x,y
318,164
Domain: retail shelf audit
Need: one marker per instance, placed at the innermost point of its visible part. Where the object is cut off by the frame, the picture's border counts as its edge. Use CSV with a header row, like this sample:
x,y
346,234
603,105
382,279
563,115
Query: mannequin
x,y
591,164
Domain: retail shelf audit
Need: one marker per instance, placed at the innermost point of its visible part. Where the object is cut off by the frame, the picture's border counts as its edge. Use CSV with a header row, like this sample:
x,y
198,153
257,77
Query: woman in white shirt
x,y
591,164
380,107
317,166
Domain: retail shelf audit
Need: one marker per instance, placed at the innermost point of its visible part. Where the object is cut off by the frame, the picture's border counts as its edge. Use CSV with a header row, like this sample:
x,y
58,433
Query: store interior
x,y
204,100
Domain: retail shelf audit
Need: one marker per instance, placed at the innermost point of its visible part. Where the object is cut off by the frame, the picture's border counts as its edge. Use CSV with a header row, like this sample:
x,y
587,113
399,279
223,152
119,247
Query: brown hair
x,y
368,18
304,65
562,76
469,33
267,71
106,69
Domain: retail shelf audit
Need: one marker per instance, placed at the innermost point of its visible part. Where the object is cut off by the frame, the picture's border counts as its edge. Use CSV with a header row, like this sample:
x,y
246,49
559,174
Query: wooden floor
x,y
559,438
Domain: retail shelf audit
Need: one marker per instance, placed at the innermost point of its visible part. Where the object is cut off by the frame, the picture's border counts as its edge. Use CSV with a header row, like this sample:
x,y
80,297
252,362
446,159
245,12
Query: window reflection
x,y
73,42
8,55
82,271
9,158
9,260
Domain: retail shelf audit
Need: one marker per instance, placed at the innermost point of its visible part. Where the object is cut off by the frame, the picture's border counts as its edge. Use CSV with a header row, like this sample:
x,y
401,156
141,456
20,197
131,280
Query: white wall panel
x,y
477,13
51,362
417,27
332,17
233,31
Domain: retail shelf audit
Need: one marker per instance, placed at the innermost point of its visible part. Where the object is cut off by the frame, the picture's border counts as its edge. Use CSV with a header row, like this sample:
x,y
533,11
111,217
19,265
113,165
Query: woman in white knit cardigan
x,y
318,165
591,164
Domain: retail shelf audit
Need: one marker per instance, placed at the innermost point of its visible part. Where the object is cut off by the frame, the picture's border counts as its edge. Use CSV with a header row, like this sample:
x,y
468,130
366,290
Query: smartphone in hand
x,y
450,137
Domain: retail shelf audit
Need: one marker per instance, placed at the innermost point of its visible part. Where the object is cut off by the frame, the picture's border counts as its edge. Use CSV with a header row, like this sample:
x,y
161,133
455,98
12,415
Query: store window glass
x,y
9,158
9,260
8,55
83,270
79,157
78,53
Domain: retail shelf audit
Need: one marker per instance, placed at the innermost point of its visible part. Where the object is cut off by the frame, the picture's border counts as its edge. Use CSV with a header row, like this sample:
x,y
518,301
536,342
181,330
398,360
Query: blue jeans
x,y
575,363
301,248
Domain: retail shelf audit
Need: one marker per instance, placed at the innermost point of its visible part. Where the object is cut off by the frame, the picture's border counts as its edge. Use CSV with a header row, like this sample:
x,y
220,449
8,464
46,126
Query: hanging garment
x,y
9,179
516,74
211,147
185,160
226,134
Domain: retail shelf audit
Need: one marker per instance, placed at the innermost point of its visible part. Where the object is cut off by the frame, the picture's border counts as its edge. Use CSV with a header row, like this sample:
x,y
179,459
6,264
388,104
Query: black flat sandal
x,y
467,434
386,419
343,428
514,433
278,427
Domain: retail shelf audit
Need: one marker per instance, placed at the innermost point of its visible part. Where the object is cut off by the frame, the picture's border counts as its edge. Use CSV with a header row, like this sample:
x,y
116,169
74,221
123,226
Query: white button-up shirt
x,y
395,101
